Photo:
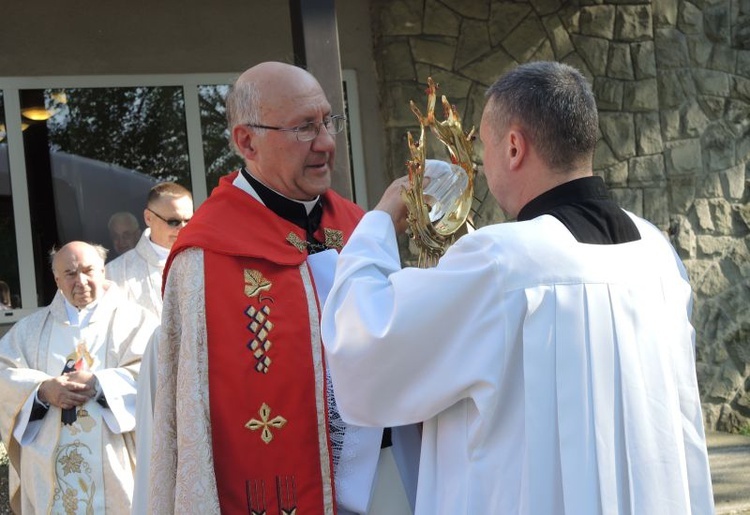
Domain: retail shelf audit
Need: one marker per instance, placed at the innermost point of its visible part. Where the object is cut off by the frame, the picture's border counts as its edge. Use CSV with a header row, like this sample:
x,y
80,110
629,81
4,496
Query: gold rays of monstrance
x,y
432,237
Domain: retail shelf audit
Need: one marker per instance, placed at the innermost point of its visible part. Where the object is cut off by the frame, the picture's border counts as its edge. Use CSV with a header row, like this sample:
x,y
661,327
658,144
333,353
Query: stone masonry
x,y
672,80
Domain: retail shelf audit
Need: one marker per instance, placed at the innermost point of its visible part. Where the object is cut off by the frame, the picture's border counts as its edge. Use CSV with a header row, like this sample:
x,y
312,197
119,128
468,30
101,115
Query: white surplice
x,y
553,377
139,273
92,459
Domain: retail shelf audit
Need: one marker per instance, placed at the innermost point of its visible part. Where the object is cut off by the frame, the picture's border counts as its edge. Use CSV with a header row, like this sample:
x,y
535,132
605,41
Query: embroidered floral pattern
x,y
75,486
70,501
255,283
265,423
71,462
334,239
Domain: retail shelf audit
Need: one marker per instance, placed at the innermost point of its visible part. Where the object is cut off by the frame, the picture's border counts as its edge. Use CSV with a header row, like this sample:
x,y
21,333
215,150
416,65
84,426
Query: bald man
x,y
243,395
124,231
68,375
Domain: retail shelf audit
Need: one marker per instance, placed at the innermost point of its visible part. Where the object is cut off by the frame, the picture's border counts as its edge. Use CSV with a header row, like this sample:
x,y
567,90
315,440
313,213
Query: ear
x,y
517,148
243,139
147,217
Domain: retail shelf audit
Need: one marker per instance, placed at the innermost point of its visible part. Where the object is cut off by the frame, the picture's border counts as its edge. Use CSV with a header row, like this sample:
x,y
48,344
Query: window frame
x,y
10,88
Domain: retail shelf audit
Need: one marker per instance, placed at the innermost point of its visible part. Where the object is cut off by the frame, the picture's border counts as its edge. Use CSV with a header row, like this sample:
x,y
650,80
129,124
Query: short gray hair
x,y
554,104
243,107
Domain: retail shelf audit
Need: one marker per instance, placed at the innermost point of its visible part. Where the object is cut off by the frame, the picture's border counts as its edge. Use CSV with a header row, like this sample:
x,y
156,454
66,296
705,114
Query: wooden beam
x,y
315,39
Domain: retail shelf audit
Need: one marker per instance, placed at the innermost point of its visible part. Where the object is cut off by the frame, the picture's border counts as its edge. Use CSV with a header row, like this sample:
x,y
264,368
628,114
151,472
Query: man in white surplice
x,y
551,358
138,272
68,375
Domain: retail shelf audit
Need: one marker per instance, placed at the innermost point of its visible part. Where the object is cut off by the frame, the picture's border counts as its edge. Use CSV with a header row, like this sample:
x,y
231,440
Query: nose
x,y
324,140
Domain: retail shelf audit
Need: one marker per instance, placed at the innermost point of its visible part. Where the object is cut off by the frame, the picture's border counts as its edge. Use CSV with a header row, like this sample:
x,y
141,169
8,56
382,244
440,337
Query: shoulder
x,y
341,204
120,263
185,268
130,312
29,322
543,231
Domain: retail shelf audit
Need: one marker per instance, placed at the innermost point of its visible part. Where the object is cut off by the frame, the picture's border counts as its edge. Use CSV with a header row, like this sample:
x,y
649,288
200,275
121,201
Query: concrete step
x,y
729,455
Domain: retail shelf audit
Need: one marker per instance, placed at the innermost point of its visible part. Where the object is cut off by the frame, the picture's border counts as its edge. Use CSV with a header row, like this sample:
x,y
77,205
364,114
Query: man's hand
x,y
393,203
68,390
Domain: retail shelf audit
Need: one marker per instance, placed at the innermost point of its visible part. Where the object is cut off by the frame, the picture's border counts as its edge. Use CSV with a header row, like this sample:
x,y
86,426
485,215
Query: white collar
x,y
162,253
79,317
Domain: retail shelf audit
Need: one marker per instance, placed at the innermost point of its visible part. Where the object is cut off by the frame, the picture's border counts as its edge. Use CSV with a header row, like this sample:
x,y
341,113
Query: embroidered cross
x,y
334,239
296,241
264,424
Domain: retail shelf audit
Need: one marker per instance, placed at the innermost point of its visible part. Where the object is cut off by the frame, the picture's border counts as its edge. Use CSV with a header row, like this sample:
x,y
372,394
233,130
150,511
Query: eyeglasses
x,y
309,131
172,222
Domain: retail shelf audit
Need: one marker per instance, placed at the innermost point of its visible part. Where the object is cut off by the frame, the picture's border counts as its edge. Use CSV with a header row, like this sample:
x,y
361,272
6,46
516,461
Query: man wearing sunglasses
x,y
169,207
244,415
138,272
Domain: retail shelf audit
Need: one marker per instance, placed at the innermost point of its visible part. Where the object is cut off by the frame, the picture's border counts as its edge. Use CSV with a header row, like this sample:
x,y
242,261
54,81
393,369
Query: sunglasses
x,y
172,222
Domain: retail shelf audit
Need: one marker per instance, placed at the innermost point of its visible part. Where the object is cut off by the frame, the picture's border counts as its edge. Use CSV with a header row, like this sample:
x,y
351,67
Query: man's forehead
x,y
74,259
124,225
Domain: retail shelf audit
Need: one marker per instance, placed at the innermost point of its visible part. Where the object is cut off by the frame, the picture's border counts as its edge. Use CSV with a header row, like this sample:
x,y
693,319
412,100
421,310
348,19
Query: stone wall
x,y
672,80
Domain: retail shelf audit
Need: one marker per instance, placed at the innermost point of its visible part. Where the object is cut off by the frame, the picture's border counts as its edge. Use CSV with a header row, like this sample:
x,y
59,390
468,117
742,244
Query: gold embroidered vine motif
x,y
255,284
74,480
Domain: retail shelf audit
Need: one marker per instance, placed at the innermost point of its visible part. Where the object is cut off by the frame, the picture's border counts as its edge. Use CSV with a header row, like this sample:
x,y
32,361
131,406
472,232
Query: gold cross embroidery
x,y
334,239
264,424
296,241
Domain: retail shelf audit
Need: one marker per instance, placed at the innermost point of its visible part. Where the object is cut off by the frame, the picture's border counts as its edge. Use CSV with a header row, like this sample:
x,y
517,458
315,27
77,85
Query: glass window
x,y
219,157
92,154
10,289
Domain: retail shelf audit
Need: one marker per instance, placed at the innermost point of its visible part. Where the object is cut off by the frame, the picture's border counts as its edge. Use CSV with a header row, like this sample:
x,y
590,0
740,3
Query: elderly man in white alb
x,y
169,206
68,375
124,232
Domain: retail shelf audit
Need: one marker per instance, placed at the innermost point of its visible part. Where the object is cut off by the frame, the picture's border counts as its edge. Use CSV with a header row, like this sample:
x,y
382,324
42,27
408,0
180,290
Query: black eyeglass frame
x,y
327,123
174,223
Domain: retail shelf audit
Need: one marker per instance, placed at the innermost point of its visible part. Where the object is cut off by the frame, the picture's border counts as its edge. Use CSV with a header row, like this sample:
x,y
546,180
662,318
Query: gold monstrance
x,y
433,238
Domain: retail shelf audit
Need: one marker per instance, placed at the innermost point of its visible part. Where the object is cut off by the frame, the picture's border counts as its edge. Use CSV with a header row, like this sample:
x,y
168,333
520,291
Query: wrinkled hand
x,y
393,203
68,390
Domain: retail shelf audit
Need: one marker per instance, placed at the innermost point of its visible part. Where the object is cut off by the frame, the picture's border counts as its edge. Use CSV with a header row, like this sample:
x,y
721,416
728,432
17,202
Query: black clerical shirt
x,y
291,210
586,209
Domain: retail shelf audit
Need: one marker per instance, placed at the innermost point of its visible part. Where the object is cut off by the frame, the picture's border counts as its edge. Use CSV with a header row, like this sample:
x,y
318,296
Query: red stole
x,y
269,423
